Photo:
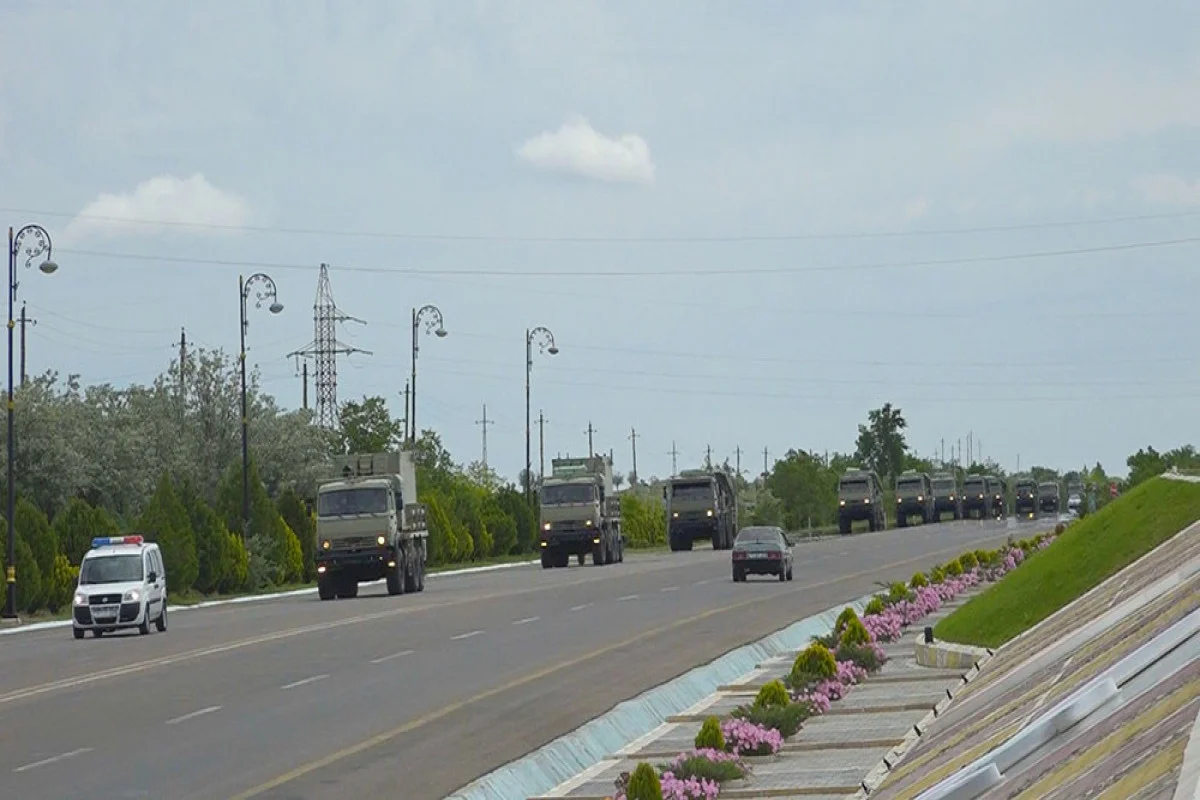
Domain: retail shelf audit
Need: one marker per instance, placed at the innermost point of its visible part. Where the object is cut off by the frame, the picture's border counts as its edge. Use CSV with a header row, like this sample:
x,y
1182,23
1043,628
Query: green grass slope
x,y
1090,551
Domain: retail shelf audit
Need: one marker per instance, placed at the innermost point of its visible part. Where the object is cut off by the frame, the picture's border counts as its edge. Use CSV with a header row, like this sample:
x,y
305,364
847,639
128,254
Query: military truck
x,y
701,504
860,497
1048,497
581,513
998,496
975,497
370,526
946,496
914,498
1025,497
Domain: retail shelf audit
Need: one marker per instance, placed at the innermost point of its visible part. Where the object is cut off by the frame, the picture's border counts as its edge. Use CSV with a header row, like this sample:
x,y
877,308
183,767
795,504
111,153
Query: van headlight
x,y
132,596
80,599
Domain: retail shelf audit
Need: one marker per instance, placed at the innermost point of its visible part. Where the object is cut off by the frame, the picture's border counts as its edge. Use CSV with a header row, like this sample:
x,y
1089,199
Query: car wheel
x,y
790,572
144,628
161,622
78,632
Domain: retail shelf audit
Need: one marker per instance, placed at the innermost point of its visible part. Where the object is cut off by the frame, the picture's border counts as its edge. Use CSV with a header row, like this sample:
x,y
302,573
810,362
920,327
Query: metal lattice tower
x,y
324,349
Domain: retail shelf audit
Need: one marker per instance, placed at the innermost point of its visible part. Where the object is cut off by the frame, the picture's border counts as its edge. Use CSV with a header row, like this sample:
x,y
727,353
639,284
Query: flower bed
x,y
822,674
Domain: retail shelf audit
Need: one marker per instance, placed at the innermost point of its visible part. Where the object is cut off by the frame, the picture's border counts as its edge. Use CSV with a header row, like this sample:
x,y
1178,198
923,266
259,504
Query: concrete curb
x,y
257,598
947,655
1188,787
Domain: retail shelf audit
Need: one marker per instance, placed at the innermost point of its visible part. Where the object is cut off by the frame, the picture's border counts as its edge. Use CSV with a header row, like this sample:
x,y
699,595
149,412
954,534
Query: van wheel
x,y
161,622
78,632
144,628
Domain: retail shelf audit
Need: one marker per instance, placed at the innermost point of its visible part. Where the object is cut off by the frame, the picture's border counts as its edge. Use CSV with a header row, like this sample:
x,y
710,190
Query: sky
x,y
746,224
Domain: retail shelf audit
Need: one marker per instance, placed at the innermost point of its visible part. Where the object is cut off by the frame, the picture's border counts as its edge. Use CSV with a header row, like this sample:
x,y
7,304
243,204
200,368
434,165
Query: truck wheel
x,y
348,589
673,540
325,589
410,574
421,569
718,539
396,578
547,563
902,521
843,526
582,557
597,555
562,560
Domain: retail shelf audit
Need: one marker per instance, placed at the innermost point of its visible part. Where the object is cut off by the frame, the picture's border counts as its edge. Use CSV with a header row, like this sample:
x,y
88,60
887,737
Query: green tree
x,y
29,577
76,524
512,502
34,528
165,521
881,445
367,426
215,551
295,513
273,558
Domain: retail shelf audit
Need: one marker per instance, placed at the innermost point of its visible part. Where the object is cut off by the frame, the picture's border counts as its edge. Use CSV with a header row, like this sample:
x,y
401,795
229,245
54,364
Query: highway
x,y
409,696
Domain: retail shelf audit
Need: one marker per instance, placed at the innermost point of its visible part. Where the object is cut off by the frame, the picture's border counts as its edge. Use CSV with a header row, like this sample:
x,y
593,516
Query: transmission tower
x,y
325,348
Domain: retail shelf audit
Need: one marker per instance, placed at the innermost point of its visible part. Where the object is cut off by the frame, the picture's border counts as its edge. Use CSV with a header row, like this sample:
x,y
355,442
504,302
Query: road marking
x,y
537,675
382,659
669,589
193,715
466,635
704,582
843,552
580,608
53,759
526,621
627,597
304,682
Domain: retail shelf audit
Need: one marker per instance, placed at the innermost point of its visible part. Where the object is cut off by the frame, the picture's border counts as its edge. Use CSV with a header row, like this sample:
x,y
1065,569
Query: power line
x,y
644,273
730,238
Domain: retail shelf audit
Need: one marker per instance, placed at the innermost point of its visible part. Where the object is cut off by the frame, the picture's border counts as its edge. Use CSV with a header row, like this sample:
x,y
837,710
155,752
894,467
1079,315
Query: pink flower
x,y
745,738
688,788
885,627
849,673
816,699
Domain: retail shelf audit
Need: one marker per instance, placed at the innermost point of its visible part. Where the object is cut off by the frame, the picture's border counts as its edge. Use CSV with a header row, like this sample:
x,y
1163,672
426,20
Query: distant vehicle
x,y
1025,497
701,504
122,584
997,492
1075,504
946,496
860,497
914,498
1049,498
762,550
975,493
581,513
370,526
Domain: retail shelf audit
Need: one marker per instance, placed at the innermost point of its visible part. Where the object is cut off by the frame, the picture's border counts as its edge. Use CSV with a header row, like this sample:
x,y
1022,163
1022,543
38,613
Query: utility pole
x,y
484,422
943,456
708,456
738,456
304,377
182,366
674,459
407,418
541,445
1018,462
24,320
765,470
590,430
633,437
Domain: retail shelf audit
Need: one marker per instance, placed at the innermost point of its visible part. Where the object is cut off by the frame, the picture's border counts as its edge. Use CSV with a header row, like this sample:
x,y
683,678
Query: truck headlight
x,y
920,498
381,539
325,545
545,526
588,523
709,512
675,514
132,596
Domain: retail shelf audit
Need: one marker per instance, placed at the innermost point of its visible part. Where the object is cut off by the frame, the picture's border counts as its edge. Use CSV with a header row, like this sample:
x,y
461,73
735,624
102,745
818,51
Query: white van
x,y
122,584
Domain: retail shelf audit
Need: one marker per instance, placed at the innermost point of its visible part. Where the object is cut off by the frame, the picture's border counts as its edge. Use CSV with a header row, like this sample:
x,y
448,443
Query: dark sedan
x,y
762,550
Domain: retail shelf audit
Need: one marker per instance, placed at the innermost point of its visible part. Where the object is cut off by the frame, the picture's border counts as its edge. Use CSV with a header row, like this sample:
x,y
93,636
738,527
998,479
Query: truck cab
x,y
997,496
975,497
1025,497
580,513
914,498
1048,497
700,505
860,497
946,496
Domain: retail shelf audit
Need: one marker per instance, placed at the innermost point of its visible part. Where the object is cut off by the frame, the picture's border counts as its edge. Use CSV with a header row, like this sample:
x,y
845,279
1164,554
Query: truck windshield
x,y
111,569
854,487
568,493
702,491
1048,490
339,502
943,486
909,487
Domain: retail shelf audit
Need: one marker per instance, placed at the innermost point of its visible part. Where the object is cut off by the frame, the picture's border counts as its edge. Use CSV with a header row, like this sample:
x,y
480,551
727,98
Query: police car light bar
x,y
108,541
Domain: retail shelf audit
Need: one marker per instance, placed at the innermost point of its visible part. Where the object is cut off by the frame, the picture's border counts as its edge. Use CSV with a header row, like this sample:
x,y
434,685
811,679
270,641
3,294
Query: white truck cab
x,y
122,584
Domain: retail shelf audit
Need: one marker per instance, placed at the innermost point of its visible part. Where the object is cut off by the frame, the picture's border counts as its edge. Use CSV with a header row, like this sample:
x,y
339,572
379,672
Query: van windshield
x,y
111,569
339,502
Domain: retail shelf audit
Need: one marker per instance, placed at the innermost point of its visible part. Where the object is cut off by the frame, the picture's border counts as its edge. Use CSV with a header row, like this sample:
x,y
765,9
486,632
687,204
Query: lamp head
x,y
553,350
276,307
441,333
49,267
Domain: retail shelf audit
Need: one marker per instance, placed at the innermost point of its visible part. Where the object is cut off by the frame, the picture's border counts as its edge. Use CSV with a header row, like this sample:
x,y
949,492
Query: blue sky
x,y
498,127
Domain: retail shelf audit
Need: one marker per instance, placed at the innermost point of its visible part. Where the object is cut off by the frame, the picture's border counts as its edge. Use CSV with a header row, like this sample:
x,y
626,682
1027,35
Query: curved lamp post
x,y
266,292
432,325
546,344
30,243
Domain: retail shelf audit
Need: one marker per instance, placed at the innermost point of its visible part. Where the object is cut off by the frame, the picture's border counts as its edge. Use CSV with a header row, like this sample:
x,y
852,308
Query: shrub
x,y
867,656
166,521
61,585
1059,528
772,695
786,719
644,784
968,561
706,765
746,738
844,619
954,568
29,577
830,640
918,581
875,606
898,592
815,660
855,634
34,528
937,575
710,735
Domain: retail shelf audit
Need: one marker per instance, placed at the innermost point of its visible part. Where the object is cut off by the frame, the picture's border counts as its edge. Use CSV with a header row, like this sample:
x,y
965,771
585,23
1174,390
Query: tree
x,y
34,529
273,552
76,524
294,512
366,426
165,521
29,577
881,445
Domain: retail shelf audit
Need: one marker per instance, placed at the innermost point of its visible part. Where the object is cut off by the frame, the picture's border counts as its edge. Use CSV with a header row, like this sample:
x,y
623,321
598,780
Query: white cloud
x,y
578,149
1168,190
165,199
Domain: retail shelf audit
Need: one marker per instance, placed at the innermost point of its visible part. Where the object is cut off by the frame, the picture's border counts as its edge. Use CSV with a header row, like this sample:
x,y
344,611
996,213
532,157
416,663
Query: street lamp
x,y
432,325
31,243
546,345
267,292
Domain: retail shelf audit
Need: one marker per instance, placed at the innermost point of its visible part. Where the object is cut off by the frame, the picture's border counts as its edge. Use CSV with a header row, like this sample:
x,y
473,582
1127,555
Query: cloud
x,y
1168,190
578,149
164,199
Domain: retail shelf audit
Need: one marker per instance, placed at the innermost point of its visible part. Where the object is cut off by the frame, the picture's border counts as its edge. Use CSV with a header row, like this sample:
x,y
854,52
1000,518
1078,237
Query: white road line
x,y
193,715
382,659
466,635
313,679
627,597
53,759
580,608
526,621
704,582
669,589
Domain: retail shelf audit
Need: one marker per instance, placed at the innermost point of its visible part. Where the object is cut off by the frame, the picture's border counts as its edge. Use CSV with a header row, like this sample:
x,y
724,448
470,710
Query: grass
x,y
1090,551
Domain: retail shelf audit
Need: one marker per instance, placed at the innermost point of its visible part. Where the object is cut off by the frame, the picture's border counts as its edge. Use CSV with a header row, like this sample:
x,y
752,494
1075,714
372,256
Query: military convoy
x,y
946,496
998,492
1049,497
701,504
860,497
975,497
1025,497
581,513
914,498
370,526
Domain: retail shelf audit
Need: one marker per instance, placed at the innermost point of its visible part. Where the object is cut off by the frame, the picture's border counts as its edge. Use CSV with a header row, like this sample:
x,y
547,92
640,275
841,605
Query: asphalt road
x,y
408,697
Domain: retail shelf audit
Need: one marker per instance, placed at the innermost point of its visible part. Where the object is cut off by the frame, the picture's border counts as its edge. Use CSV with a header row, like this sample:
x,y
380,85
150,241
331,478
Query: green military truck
x,y
580,513
914,498
998,494
975,497
860,497
370,526
946,496
1049,497
1025,497
701,504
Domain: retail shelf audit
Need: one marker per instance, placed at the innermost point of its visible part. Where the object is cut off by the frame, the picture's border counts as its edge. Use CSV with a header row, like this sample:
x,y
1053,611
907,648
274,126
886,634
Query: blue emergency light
x,y
108,541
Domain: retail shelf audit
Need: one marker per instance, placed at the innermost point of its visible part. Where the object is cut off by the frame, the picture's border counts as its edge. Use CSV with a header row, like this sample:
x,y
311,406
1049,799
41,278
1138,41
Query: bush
x,y
1059,528
937,575
968,561
29,577
77,523
919,581
710,734
898,592
643,519
772,695
166,521
34,528
699,766
844,619
60,588
816,663
785,719
855,634
644,784
295,514
954,569
875,606
864,655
